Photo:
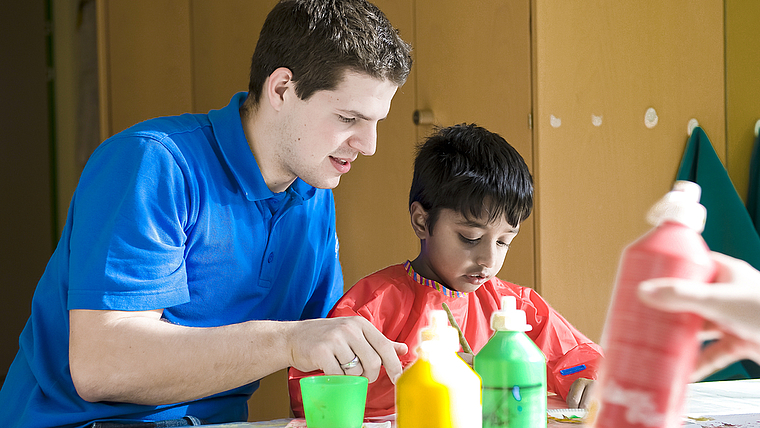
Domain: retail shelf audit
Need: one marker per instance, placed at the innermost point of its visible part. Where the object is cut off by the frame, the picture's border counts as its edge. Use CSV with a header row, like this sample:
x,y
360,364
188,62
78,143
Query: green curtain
x,y
753,195
729,228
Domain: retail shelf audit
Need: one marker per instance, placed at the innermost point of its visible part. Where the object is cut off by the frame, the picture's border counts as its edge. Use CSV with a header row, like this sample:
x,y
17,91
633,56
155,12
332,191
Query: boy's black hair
x,y
318,40
474,172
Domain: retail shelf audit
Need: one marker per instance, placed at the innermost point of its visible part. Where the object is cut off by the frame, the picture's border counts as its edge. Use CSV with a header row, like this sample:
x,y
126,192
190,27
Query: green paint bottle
x,y
513,372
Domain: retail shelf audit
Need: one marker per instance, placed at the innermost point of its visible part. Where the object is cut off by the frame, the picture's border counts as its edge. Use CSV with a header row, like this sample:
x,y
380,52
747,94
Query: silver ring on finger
x,y
351,364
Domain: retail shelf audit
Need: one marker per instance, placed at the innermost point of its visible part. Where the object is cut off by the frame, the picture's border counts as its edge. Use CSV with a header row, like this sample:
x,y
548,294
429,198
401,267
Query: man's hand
x,y
325,344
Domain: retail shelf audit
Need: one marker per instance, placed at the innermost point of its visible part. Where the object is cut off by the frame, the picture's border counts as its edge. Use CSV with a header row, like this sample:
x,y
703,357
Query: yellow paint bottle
x,y
439,390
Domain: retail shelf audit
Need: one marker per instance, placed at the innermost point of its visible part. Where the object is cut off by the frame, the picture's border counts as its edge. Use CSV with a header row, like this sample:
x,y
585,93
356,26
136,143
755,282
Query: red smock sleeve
x,y
569,354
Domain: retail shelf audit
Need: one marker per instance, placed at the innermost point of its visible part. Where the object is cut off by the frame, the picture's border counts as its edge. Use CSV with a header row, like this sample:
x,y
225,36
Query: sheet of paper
x,y
720,421
729,397
567,413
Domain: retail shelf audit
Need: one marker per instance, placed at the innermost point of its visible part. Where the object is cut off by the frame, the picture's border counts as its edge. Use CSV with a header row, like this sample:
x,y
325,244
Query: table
x,y
724,404
734,404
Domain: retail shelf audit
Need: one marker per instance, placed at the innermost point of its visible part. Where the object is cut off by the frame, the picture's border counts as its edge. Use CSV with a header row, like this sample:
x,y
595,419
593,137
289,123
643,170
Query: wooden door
x,y
599,67
144,56
371,201
473,64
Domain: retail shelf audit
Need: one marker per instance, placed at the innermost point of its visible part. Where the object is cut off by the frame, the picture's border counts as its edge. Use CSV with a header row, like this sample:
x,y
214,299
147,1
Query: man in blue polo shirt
x,y
200,253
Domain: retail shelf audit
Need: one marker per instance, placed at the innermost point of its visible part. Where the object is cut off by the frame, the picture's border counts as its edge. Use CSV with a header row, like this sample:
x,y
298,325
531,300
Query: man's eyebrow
x,y
359,115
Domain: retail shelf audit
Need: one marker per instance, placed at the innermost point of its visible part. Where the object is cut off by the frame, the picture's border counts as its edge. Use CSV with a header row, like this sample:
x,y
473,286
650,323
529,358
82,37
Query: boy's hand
x,y
580,394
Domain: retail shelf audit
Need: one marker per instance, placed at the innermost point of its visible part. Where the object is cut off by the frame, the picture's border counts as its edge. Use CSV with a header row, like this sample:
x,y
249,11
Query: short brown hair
x,y
318,40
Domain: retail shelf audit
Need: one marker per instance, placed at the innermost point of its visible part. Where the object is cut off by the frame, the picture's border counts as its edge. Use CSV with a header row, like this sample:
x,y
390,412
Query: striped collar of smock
x,y
430,283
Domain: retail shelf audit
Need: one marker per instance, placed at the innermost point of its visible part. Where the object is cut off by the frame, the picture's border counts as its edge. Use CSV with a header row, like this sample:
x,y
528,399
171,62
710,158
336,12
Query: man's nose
x,y
365,141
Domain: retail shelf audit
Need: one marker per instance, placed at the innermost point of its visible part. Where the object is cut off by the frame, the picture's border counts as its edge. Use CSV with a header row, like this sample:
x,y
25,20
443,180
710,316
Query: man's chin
x,y
324,184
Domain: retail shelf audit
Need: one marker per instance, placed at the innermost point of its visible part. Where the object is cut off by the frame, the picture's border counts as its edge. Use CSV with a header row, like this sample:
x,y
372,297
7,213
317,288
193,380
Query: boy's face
x,y
322,135
462,253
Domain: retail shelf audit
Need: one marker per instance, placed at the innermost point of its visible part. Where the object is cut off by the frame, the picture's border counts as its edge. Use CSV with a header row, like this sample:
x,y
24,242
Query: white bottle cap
x,y
440,331
509,318
680,205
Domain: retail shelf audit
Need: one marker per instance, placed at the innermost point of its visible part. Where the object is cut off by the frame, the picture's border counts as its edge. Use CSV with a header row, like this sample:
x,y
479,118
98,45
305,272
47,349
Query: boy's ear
x,y
276,85
419,217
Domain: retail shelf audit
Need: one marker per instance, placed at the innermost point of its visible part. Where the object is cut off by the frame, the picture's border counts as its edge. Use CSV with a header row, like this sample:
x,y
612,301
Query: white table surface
x,y
724,404
734,404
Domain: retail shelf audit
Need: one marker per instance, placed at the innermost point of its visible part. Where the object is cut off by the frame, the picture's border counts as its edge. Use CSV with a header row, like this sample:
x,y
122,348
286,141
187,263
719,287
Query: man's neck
x,y
261,137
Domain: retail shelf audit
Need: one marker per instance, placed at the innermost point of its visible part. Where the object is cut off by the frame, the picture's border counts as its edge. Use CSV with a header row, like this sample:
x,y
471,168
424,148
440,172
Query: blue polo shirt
x,y
173,213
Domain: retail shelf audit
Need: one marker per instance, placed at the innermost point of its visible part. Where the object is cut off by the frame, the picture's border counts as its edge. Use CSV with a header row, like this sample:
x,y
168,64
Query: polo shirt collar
x,y
228,131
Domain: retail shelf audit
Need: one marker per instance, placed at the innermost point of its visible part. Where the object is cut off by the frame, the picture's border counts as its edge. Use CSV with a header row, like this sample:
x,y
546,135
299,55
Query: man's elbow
x,y
89,383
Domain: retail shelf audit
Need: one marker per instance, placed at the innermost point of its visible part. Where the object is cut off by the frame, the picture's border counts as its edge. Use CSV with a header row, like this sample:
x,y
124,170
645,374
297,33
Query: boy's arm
x,y
570,355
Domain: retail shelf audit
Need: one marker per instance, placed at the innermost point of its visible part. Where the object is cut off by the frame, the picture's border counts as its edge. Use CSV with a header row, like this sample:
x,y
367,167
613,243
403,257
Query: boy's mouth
x,y
477,278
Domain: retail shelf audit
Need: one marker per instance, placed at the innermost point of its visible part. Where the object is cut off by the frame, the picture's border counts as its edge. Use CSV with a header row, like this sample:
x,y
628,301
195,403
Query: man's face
x,y
323,135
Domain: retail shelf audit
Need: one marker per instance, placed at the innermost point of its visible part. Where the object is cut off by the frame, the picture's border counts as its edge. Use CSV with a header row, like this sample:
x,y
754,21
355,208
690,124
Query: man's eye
x,y
502,244
346,119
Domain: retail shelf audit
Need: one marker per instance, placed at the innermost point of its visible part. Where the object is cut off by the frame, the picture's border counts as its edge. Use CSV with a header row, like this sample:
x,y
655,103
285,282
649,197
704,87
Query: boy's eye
x,y
468,240
502,244
346,119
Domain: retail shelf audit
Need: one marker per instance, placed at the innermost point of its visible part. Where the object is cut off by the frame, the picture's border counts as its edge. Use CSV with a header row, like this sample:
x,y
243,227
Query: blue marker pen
x,y
571,370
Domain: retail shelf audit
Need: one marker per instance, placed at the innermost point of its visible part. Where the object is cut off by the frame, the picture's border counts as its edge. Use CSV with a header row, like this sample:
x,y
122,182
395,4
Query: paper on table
x,y
734,421
573,416
723,397
567,413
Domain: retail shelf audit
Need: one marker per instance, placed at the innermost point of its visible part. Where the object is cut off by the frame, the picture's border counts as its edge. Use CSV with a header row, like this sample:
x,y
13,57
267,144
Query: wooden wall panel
x,y
614,60
372,199
148,62
742,88
609,60
474,65
224,36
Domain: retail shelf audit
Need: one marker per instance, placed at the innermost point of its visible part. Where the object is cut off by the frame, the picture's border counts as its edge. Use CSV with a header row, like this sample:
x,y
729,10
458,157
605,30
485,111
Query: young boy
x,y
470,192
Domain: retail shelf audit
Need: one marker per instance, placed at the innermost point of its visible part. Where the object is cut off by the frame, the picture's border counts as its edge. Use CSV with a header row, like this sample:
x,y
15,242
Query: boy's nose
x,y
488,256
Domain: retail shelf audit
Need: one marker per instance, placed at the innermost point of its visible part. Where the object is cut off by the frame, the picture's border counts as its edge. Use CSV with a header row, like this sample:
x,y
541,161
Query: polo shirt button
x,y
270,258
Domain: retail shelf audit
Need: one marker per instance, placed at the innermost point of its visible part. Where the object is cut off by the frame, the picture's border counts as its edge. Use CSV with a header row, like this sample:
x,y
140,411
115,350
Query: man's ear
x,y
419,217
276,85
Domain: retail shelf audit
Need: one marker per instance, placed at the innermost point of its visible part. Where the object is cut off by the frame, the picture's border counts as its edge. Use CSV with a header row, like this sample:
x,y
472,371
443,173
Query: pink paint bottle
x,y
650,354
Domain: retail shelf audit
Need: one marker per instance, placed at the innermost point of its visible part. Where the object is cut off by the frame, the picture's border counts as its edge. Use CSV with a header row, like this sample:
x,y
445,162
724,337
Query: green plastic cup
x,y
334,401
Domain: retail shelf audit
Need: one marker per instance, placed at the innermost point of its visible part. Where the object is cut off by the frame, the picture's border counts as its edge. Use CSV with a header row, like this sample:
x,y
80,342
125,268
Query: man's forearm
x,y
138,358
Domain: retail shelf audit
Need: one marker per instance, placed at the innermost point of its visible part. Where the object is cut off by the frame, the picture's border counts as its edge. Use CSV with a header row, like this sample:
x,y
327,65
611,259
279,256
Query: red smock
x,y
397,301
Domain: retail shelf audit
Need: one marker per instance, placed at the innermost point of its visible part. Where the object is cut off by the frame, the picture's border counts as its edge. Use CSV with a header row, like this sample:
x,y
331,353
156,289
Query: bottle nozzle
x,y
509,317
690,190
439,330
681,205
